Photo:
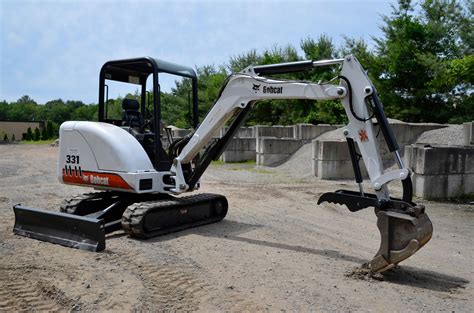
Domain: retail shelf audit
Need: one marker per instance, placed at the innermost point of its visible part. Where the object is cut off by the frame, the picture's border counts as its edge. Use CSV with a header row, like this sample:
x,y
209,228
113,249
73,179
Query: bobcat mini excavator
x,y
140,181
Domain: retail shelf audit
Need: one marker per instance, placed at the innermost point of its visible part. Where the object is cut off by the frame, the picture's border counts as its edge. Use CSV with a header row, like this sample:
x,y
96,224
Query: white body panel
x,y
104,156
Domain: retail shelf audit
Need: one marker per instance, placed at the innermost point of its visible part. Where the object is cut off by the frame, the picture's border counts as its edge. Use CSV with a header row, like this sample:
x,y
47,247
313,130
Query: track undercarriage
x,y
84,220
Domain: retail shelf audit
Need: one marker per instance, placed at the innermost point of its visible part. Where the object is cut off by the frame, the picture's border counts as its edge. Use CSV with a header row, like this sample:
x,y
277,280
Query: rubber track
x,y
132,219
71,205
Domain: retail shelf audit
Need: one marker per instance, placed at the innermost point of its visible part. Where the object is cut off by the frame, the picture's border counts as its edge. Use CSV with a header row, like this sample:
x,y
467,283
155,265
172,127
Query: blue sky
x,y
54,49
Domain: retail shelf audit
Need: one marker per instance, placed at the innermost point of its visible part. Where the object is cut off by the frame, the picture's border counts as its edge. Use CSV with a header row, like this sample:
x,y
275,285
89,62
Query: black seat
x,y
130,115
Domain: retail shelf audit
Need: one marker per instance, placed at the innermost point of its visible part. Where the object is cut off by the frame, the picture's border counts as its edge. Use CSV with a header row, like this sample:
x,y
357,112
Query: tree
x,y
5,137
37,135
13,138
44,134
29,134
415,56
49,129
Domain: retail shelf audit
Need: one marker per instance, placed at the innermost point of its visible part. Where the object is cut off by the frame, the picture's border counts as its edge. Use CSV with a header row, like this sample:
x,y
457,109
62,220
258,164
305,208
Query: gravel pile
x,y
300,163
452,136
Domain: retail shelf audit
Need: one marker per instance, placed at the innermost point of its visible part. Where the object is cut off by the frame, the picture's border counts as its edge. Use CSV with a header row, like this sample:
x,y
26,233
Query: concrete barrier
x,y
468,133
441,172
239,150
273,151
310,131
331,159
276,131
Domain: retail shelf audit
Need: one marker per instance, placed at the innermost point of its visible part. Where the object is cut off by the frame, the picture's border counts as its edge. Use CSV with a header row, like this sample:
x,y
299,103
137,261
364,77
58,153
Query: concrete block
x,y
310,131
273,151
331,150
468,129
278,145
336,169
240,149
437,160
277,131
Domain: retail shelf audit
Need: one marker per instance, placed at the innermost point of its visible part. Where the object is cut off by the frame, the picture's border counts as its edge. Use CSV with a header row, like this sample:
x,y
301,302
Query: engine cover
x,y
104,156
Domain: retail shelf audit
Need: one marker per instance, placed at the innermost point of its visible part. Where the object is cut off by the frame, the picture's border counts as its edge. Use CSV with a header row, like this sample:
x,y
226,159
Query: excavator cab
x,y
141,119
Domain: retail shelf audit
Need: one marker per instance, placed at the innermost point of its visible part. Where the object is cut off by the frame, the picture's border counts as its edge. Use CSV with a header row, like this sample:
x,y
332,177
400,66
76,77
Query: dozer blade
x,y
401,236
80,232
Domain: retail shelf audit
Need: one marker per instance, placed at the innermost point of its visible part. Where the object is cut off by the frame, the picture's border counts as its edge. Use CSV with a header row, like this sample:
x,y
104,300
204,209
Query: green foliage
x,y
417,59
29,134
44,134
36,135
13,138
5,137
49,130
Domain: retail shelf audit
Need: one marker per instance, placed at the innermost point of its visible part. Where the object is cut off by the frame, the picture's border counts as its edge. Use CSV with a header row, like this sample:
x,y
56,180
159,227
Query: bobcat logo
x,y
256,87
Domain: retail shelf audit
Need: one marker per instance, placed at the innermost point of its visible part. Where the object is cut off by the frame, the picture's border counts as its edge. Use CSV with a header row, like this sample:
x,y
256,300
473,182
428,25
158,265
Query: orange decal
x,y
363,135
94,178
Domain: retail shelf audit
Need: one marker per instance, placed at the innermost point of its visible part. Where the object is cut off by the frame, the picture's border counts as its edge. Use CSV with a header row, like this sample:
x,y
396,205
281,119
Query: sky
x,y
55,49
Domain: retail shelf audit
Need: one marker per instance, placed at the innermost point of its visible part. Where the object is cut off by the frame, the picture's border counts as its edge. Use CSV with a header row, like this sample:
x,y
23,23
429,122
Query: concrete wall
x,y
441,172
276,131
468,133
310,131
272,151
239,150
331,159
18,128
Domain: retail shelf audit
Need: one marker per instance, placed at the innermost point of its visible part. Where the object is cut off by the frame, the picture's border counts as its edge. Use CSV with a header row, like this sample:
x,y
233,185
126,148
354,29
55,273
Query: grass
x,y
39,142
248,165
220,162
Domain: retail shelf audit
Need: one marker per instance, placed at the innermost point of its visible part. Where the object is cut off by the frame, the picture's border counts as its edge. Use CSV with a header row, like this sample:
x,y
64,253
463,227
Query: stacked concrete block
x,y
310,131
239,150
468,133
331,159
276,131
273,151
441,172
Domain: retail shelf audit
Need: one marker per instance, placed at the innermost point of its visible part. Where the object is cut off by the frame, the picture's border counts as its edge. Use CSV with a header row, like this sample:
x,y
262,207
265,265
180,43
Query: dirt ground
x,y
276,250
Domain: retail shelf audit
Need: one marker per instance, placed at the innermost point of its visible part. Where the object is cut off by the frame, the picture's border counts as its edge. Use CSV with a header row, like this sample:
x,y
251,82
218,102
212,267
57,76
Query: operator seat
x,y
131,117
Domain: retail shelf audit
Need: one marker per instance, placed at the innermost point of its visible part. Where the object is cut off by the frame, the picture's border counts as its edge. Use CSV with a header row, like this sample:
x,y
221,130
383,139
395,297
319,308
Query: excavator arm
x,y
403,225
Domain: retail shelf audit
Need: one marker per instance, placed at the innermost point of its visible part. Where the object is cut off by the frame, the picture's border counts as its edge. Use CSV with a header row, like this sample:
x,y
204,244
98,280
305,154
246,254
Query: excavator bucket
x,y
80,232
401,236
404,227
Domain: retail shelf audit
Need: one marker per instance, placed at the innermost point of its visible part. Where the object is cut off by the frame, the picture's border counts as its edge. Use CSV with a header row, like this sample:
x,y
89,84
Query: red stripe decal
x,y
95,179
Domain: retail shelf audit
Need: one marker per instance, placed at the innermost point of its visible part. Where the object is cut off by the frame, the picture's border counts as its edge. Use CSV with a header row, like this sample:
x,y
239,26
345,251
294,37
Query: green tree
x,y
44,134
49,129
5,137
29,134
37,135
415,54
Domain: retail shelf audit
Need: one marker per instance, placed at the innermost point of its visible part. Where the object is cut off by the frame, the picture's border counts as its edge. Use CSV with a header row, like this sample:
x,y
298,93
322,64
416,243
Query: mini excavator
x,y
140,180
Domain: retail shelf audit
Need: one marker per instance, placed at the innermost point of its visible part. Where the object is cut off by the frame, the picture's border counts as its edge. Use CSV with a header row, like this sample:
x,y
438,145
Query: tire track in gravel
x,y
174,288
19,293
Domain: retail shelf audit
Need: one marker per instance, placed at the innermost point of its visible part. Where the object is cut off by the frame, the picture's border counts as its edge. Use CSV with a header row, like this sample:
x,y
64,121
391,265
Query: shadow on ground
x,y
233,230
416,277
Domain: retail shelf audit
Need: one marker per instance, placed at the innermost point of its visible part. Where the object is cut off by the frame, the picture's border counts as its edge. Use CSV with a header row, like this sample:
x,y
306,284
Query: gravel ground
x,y
275,251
